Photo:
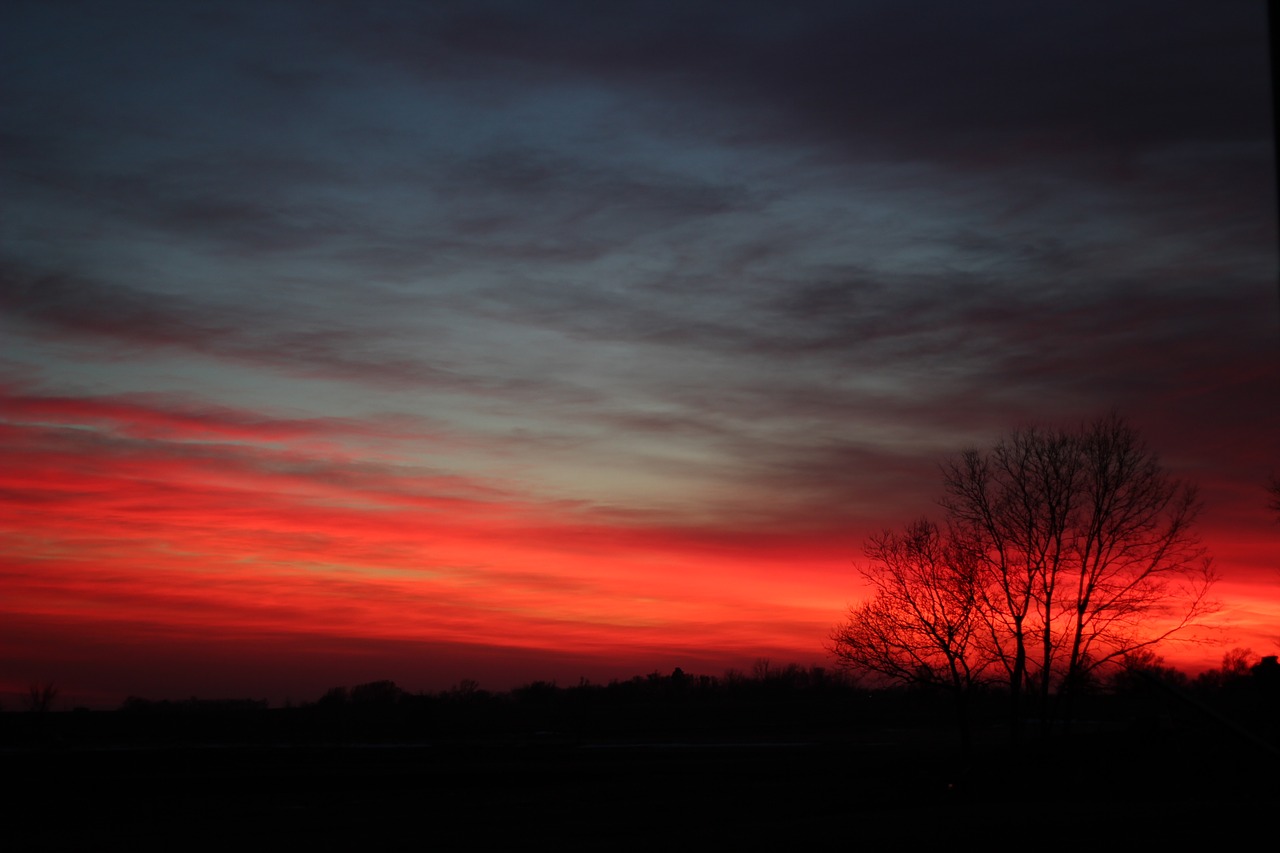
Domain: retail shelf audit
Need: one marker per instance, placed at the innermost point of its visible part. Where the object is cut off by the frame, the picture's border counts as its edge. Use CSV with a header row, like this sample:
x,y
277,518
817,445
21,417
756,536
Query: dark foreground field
x,y
890,789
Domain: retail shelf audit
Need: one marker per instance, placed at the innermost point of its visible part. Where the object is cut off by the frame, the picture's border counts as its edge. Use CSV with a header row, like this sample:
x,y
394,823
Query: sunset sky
x,y
514,341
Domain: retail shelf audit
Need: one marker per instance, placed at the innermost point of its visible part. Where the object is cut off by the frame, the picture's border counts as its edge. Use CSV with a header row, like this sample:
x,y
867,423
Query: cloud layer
x,y
617,327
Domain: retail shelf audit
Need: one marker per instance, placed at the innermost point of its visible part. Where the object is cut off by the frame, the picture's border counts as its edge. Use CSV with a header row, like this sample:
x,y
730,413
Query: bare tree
x,y
1065,553
40,697
1008,504
919,625
1086,548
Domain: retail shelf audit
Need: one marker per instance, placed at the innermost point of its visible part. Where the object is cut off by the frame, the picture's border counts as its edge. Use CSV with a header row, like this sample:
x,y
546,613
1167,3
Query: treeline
x,y
786,703
769,702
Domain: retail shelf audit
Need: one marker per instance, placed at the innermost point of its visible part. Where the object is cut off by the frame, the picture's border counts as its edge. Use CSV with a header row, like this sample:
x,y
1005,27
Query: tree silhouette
x,y
1087,550
1064,552
40,697
921,624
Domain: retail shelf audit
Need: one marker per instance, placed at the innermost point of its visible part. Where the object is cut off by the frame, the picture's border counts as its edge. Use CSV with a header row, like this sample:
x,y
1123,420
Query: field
x,y
870,790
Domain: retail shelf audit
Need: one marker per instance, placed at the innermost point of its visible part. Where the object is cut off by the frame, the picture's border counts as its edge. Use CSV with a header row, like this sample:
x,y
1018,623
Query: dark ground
x,y
659,762
901,789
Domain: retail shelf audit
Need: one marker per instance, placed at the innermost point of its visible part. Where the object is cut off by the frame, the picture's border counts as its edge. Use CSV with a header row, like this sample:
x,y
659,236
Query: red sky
x,y
166,550
432,343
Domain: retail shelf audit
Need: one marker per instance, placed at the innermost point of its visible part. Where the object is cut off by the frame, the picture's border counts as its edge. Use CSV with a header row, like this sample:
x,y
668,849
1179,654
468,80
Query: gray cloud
x,y
129,318
819,210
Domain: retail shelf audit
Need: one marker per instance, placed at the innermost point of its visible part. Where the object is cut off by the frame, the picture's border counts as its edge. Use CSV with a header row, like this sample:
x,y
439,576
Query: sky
x,y
545,341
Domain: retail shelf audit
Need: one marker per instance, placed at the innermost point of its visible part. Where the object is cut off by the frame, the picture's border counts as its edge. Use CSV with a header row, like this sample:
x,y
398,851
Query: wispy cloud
x,y
618,322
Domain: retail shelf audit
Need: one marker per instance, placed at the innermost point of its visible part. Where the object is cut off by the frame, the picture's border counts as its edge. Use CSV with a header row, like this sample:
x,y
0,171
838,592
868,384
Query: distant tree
x,y
921,624
760,670
466,689
384,693
1086,551
40,697
1139,669
1237,663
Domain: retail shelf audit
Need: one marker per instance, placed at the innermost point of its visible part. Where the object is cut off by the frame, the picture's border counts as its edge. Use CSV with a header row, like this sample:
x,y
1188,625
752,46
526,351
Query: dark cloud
x,y
128,318
83,307
981,82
